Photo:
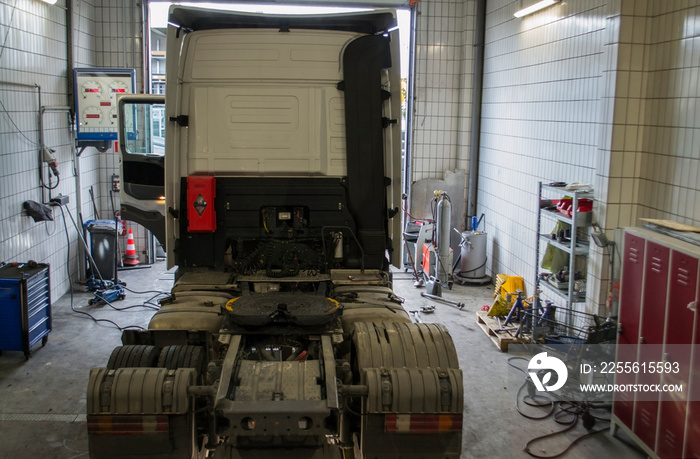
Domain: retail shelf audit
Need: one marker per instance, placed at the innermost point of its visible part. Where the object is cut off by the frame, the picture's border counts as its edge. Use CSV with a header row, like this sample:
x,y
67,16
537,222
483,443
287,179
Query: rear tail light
x,y
423,423
127,425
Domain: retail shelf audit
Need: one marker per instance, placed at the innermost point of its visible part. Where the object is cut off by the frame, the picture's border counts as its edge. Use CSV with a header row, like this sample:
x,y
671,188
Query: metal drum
x,y
473,256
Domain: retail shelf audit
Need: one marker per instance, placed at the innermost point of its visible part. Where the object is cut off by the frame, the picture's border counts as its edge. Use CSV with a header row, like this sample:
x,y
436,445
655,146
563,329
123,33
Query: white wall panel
x,y
443,87
543,83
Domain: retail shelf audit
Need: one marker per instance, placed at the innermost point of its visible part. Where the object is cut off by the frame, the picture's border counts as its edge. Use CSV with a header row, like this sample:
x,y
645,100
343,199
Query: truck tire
x,y
182,356
133,355
186,356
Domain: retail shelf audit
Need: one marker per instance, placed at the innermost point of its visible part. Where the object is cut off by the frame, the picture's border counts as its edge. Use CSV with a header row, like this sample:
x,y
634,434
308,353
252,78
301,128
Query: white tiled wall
x,y
34,52
443,87
668,159
541,108
620,136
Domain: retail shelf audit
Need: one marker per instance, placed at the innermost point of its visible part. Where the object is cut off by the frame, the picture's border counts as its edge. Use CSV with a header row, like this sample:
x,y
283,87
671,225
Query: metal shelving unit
x,y
574,247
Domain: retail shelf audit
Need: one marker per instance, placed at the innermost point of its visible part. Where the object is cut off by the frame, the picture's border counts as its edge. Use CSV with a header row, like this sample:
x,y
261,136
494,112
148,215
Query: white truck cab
x,y
267,97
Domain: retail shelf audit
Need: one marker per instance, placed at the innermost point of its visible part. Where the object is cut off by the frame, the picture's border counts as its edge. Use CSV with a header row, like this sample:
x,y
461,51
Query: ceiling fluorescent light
x,y
50,2
535,7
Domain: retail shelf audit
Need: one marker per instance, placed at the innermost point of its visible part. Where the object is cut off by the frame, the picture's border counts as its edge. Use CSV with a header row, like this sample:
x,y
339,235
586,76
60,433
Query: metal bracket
x,y
181,120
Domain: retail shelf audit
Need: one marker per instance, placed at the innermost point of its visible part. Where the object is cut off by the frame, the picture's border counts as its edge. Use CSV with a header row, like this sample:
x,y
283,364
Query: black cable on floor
x,y
157,292
571,426
544,400
565,413
125,308
70,286
146,304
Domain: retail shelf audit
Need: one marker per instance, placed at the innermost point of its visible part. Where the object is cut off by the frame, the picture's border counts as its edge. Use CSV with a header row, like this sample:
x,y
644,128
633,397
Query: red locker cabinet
x,y
629,319
658,295
683,288
651,331
691,446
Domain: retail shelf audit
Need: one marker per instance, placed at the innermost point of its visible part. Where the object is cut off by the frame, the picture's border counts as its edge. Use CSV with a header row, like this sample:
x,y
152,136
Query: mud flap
x,y
415,399
404,345
140,412
413,413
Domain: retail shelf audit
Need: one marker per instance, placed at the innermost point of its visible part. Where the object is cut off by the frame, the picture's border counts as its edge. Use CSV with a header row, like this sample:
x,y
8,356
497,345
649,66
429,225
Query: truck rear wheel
x,y
133,355
182,356
187,356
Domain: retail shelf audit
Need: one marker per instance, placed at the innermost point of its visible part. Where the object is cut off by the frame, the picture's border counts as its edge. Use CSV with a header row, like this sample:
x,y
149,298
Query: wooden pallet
x,y
489,325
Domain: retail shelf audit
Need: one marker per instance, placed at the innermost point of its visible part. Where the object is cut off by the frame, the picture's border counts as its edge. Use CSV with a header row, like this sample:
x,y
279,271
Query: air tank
x,y
444,209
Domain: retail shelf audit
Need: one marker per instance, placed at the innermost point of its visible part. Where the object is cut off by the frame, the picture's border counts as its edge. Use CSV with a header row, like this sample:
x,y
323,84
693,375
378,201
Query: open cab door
x,y
142,150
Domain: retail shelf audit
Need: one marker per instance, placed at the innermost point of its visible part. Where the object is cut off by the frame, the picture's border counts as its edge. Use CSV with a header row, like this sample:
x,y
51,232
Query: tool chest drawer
x,y
25,306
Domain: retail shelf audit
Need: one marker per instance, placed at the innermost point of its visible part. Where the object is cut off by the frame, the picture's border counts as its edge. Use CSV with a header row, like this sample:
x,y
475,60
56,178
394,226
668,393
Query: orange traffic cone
x,y
130,257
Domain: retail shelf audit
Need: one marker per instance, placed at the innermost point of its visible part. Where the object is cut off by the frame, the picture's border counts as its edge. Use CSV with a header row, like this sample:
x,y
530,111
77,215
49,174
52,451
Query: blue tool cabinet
x,y
25,306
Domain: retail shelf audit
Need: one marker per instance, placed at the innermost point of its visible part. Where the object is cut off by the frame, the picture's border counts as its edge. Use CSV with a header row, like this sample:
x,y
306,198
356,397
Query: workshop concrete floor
x,y
42,400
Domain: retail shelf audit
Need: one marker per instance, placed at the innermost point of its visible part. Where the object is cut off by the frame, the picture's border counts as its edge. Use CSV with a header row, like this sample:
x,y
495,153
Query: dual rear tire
x,y
170,357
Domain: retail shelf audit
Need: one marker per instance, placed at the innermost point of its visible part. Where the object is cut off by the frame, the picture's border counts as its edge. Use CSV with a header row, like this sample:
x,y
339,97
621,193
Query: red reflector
x,y
127,425
423,423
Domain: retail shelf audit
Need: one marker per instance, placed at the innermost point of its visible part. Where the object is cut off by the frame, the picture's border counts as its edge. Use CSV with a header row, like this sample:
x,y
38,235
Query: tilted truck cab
x,y
278,200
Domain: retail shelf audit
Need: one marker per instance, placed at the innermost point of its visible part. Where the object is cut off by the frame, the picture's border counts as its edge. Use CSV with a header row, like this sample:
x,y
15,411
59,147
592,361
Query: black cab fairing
x,y
193,19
